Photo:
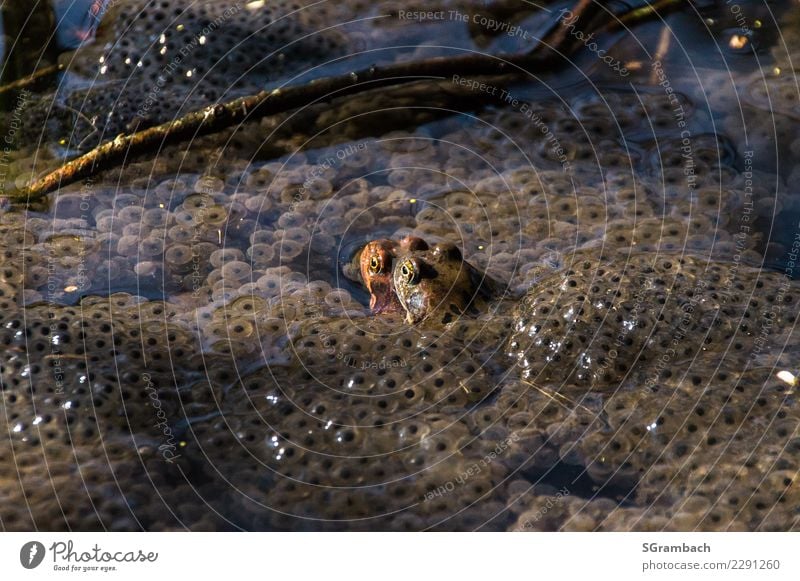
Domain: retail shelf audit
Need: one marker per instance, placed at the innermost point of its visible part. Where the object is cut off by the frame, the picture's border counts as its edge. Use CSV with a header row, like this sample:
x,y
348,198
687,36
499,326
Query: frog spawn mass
x,y
365,400
155,60
288,406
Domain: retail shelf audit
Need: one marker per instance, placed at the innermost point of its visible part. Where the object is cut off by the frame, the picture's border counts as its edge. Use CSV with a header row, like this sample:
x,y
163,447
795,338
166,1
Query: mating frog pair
x,y
423,281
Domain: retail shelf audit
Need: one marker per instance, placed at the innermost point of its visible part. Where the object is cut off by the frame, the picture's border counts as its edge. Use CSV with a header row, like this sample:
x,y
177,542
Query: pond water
x,y
187,347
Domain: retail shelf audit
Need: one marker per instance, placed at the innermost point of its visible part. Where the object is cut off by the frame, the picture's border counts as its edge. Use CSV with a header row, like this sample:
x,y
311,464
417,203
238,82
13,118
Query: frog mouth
x,y
383,299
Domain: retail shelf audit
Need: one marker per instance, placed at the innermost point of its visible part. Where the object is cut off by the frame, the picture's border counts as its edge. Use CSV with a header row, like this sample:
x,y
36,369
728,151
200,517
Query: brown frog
x,y
375,265
437,282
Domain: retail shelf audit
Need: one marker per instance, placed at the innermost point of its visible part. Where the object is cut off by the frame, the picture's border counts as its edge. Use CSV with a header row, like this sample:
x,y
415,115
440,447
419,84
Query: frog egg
x,y
289,293
297,235
239,329
214,215
185,218
768,206
128,246
236,210
36,276
181,233
258,204
178,254
355,186
108,270
378,194
247,305
147,268
151,247
155,217
225,255
318,188
106,222
137,229
68,205
195,283
698,243
359,158
406,178
235,271
332,208
261,235
359,219
215,276
287,250
287,194
196,203
338,298
204,250
166,189
209,185
291,220
260,255
699,224
130,214
322,243
316,290
259,178
433,214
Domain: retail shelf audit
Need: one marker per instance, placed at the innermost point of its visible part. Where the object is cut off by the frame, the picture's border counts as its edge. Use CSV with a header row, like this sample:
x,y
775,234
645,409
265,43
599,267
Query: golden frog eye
x,y
409,272
374,265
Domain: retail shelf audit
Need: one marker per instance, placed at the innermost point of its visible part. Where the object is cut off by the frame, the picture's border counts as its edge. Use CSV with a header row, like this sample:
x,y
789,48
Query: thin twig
x,y
81,115
31,79
661,51
649,10
554,396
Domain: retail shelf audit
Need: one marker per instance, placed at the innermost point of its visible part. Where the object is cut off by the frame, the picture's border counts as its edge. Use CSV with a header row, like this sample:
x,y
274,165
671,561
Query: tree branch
x,y
31,79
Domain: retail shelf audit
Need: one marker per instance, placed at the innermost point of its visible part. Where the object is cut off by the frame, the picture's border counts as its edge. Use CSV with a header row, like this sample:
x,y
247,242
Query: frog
x,y
375,263
437,284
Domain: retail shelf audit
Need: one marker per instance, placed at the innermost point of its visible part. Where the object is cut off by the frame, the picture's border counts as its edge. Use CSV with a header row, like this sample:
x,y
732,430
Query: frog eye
x,y
375,264
409,272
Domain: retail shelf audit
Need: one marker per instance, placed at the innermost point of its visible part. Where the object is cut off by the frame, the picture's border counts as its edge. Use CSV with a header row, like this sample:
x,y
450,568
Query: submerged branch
x,y
31,79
